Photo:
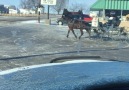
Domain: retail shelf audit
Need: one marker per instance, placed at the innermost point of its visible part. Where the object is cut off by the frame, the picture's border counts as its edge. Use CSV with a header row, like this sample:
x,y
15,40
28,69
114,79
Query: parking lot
x,y
30,43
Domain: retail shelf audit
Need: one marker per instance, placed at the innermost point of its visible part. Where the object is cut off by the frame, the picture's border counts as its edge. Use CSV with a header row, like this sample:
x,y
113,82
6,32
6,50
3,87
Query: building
x,y
32,11
27,11
119,7
13,10
3,9
8,9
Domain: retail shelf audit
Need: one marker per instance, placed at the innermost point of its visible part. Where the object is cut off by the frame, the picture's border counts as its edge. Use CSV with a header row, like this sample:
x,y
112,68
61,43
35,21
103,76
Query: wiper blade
x,y
68,58
74,57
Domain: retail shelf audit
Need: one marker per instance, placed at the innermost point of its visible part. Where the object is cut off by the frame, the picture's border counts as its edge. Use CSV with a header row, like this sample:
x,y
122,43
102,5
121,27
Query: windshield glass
x,y
35,32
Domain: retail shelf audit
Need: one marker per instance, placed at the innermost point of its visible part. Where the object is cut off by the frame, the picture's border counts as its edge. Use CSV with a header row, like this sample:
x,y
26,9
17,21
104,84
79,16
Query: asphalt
x,y
25,18
31,43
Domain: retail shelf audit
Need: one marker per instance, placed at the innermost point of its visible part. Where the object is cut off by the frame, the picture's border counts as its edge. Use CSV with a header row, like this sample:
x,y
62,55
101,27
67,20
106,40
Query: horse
x,y
76,23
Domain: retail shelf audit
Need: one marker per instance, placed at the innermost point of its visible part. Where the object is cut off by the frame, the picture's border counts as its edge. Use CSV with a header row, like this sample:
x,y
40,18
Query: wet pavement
x,y
23,44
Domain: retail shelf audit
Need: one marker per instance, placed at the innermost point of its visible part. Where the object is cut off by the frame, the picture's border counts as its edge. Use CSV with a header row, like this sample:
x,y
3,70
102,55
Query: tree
x,y
23,4
29,4
61,4
79,6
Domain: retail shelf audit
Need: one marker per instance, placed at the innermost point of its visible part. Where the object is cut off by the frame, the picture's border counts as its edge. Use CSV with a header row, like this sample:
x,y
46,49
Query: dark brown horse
x,y
76,23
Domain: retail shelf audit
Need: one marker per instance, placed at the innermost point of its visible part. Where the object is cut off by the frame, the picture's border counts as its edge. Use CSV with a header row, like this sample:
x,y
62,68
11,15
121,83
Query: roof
x,y
98,5
111,4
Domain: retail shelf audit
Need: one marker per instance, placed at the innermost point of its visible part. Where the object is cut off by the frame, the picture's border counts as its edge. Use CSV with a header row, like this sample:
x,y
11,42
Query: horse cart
x,y
108,28
113,29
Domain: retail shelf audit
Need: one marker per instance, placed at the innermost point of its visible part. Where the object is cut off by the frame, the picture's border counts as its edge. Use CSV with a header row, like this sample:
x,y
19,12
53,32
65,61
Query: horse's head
x,y
65,12
66,15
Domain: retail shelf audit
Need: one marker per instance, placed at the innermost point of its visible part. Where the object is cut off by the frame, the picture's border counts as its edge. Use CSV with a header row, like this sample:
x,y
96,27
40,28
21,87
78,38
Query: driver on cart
x,y
111,21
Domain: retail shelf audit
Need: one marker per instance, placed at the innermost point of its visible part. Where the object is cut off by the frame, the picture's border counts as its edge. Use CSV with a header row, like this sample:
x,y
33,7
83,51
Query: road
x,y
31,43
23,18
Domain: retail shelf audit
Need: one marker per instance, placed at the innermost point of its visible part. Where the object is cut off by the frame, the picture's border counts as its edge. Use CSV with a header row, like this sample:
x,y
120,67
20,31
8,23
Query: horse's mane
x,y
74,12
66,12
69,15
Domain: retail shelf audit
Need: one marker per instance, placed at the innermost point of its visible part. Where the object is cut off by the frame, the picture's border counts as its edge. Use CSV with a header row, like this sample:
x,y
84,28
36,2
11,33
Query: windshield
x,y
35,32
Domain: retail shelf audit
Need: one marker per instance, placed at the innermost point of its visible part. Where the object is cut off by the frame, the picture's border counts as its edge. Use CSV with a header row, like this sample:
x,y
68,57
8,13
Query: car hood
x,y
70,75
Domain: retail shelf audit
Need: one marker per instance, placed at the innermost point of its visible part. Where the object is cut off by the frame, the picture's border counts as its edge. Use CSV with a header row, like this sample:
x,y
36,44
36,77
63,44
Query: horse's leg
x,y
81,30
74,33
68,33
89,32
95,31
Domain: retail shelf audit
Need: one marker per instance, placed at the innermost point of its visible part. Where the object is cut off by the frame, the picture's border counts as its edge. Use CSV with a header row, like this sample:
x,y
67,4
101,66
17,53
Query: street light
x,y
39,10
48,12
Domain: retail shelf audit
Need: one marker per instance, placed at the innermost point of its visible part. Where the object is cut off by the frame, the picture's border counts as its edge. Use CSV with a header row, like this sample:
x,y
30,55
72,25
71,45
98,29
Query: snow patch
x,y
32,22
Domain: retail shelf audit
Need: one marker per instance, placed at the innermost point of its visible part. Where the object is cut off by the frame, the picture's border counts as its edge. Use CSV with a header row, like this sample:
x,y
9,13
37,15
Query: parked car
x,y
85,18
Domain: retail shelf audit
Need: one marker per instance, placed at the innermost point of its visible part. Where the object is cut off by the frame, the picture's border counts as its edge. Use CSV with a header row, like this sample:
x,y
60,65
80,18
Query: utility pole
x,y
48,12
39,6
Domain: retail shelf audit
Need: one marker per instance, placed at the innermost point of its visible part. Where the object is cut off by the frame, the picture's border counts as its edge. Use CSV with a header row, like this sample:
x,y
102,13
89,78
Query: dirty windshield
x,y
34,32
55,32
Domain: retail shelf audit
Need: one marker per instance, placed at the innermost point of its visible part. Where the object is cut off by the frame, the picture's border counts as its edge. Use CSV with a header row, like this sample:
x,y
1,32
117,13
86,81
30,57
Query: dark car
x,y
62,21
85,18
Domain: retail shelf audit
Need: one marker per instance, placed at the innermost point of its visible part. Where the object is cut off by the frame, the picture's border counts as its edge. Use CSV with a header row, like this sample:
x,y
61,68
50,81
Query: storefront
x,y
105,7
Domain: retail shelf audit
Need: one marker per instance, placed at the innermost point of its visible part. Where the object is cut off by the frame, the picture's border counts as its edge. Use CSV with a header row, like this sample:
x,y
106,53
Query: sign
x,y
95,22
48,2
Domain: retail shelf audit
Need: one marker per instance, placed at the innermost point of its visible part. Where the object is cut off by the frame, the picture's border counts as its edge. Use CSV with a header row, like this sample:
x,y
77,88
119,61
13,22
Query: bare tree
x,y
79,6
23,4
61,4
74,7
29,4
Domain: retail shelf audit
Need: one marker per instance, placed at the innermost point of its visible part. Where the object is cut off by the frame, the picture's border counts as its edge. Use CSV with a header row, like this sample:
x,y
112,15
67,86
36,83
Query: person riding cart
x,y
113,20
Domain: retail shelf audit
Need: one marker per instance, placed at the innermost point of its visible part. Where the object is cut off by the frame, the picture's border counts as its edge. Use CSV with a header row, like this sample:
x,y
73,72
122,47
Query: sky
x,y
10,2
17,2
